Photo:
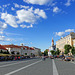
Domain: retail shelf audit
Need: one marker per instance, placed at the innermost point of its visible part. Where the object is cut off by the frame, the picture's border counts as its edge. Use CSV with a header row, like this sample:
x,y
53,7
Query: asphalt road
x,y
37,67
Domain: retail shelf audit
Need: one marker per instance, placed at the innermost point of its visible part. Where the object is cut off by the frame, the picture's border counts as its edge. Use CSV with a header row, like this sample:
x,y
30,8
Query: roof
x,y
24,47
16,46
31,48
2,47
11,46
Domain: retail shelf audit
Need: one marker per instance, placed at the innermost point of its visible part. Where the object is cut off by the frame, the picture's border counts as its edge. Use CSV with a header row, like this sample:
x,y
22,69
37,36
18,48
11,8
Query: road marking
x,y
23,68
73,62
55,72
14,63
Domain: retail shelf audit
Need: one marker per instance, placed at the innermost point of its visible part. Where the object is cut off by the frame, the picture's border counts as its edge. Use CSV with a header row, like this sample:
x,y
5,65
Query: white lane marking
x,y
23,68
55,72
14,63
73,62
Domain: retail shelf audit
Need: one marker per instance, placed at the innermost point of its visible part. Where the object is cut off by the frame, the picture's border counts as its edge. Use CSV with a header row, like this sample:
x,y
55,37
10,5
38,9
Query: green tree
x,y
53,52
46,52
1,51
8,52
73,50
67,48
58,51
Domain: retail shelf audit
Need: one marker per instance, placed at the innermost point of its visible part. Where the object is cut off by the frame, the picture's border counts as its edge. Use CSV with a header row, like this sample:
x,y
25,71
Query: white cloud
x,y
30,15
16,5
9,19
6,5
25,26
26,16
25,7
14,34
69,30
63,33
2,38
3,25
39,2
8,39
53,4
68,3
20,6
40,13
56,10
60,33
12,8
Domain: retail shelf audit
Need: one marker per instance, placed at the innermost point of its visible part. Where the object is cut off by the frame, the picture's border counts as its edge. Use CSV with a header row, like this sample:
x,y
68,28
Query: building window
x,y
25,53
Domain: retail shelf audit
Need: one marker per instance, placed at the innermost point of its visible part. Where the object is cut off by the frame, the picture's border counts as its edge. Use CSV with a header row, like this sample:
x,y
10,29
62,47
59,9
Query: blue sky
x,y
35,22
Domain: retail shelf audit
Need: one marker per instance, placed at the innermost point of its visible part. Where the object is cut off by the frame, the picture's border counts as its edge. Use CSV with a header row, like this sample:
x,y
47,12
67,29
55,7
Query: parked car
x,y
2,58
51,57
68,58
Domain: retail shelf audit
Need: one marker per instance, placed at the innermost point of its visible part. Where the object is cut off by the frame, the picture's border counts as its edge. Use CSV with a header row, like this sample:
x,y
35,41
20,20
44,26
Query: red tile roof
x,y
11,46
2,47
16,46
31,48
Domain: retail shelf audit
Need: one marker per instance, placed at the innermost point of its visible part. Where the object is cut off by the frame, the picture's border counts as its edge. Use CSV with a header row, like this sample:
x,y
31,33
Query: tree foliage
x,y
58,51
73,50
46,52
53,52
1,51
67,48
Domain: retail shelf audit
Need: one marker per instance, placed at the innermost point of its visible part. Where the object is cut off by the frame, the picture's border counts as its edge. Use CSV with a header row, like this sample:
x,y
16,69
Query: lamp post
x,y
21,50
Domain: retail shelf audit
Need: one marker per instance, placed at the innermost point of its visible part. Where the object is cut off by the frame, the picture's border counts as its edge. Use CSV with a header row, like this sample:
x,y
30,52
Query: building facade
x,y
37,51
3,49
69,39
22,50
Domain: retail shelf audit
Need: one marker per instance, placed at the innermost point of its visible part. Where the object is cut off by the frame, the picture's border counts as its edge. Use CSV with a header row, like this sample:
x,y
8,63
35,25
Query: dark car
x,y
2,58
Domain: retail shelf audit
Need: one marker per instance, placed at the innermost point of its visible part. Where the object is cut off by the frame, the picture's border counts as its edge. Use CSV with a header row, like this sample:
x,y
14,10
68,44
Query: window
x,y
25,53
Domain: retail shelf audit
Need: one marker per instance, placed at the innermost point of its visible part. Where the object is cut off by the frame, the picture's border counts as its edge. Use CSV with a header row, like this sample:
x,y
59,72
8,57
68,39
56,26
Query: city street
x,y
37,67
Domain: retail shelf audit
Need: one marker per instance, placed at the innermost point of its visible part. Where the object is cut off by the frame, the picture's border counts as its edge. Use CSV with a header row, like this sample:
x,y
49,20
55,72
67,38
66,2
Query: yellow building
x,y
69,39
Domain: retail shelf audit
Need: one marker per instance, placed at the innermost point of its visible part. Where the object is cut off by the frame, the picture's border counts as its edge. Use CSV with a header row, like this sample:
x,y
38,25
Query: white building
x,y
22,50
3,49
37,51
52,47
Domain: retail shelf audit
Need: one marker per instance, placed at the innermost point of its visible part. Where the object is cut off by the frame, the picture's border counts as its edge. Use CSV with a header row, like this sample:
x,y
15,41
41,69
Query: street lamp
x,y
21,50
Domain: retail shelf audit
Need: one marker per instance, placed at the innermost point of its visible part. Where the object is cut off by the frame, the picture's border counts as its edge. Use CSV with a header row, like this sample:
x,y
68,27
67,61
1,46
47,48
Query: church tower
x,y
52,42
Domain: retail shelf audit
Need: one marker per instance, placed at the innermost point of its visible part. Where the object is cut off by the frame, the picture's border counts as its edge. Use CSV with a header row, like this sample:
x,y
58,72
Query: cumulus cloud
x,y
40,13
9,19
63,33
26,16
60,33
69,30
16,5
30,15
12,8
56,10
68,3
20,6
25,26
2,27
39,2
